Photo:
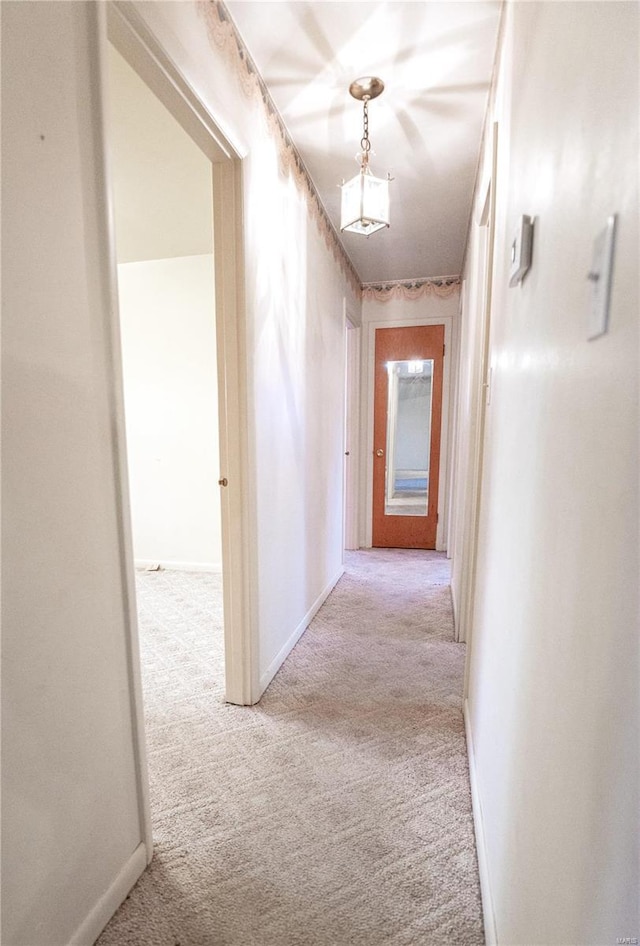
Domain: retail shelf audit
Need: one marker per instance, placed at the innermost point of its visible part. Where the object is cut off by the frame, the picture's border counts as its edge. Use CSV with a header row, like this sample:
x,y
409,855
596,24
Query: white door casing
x,y
121,25
471,416
352,427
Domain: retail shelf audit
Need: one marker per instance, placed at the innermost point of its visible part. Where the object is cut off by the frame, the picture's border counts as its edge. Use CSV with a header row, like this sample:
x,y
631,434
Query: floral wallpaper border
x,y
224,36
409,289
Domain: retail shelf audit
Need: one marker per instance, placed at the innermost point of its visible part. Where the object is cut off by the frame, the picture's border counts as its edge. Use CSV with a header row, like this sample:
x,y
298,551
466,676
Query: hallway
x,y
337,810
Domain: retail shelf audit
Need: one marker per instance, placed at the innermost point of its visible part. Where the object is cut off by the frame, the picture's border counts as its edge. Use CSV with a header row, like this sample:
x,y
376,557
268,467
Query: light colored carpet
x,y
334,813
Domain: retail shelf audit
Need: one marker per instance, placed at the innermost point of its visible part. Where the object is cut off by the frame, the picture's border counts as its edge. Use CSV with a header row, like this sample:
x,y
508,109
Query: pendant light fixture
x,y
365,198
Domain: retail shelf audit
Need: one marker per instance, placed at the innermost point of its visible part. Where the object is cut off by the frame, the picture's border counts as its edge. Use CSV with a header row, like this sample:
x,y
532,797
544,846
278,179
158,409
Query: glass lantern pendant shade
x,y
365,203
365,198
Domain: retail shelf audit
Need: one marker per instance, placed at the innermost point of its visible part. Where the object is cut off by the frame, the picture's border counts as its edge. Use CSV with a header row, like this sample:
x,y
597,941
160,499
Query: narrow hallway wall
x,y
72,831
553,702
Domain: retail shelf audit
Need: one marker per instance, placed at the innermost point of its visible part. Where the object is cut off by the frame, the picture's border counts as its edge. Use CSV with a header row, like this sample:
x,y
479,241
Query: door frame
x,y
397,345
367,446
352,333
120,24
455,434
471,487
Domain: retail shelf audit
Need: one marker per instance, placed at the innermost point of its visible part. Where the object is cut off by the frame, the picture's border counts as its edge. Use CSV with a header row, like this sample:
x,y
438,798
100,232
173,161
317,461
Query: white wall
x,y
71,826
427,309
294,293
161,179
553,696
171,402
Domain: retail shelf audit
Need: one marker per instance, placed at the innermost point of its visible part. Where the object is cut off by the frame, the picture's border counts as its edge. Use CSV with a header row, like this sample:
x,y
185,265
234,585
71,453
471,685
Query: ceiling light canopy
x,y
365,198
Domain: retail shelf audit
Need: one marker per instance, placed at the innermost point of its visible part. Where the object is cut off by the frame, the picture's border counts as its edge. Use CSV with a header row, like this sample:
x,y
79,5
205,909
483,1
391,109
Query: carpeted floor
x,y
334,813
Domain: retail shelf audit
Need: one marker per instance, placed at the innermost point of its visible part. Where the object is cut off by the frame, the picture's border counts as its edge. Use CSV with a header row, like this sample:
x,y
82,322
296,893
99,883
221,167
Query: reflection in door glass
x,y
408,438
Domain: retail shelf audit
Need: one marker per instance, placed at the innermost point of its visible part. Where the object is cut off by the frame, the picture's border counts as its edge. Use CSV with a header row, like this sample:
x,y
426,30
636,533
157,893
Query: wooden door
x,y
406,435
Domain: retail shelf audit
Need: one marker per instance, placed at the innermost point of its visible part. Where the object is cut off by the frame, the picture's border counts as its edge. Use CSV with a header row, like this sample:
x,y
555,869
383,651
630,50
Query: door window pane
x,y
408,438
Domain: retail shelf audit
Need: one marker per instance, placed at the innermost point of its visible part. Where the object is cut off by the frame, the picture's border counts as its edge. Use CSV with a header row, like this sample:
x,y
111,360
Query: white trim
x,y
454,435
121,470
480,360
286,649
351,477
366,509
102,911
488,913
470,420
237,498
483,202
153,564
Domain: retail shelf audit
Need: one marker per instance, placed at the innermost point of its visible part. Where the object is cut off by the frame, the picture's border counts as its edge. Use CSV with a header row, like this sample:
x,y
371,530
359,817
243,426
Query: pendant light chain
x,y
365,144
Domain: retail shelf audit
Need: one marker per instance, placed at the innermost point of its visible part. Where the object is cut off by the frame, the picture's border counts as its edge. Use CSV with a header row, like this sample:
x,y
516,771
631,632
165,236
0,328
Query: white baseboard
x,y
91,927
490,931
283,653
151,564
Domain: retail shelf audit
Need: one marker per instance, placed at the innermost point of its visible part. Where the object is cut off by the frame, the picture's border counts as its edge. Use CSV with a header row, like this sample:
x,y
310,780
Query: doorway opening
x,y
164,237
127,33
183,331
408,389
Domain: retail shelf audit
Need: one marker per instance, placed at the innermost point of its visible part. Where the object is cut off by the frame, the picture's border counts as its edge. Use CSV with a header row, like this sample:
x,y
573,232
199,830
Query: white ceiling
x,y
435,58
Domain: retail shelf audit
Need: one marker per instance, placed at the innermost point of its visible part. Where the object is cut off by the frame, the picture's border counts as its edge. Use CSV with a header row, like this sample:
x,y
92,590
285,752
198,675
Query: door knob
x,y
379,452
223,482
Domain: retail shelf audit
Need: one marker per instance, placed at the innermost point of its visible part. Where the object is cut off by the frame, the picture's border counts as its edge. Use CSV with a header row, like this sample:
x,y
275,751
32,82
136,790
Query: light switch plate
x,y
521,250
600,277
